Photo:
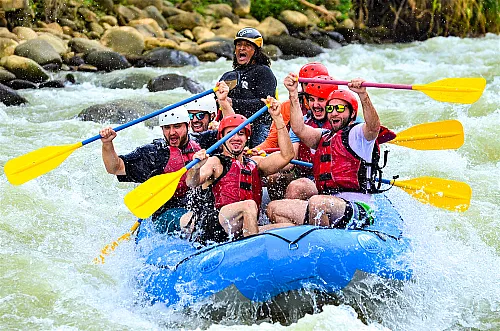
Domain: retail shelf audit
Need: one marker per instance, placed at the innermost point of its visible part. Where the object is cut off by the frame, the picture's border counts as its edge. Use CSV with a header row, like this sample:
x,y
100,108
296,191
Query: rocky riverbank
x,y
142,33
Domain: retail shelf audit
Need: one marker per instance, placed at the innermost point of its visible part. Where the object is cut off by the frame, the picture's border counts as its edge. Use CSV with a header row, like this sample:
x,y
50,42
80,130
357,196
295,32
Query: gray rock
x,y
107,60
172,81
81,45
127,80
165,57
58,83
6,75
39,51
293,46
9,97
155,14
120,112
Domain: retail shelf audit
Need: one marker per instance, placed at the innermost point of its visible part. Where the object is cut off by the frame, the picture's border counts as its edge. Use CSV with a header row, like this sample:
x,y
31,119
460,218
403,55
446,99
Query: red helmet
x,y
320,90
233,121
312,70
348,96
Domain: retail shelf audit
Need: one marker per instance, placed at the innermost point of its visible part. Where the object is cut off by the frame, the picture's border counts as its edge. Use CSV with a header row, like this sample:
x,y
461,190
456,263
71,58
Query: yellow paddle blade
x,y
442,193
111,247
148,197
460,90
36,163
432,136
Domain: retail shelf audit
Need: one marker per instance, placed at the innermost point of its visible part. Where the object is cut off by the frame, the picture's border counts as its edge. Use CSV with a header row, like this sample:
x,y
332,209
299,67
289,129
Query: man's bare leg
x,y
302,188
240,218
287,211
323,208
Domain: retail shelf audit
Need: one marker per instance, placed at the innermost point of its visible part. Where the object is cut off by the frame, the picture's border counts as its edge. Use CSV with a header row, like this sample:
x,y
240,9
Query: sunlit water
x,y
52,227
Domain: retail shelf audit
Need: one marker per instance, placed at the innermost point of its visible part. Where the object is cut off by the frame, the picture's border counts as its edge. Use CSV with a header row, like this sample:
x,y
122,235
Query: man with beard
x,y
345,159
254,81
165,155
231,182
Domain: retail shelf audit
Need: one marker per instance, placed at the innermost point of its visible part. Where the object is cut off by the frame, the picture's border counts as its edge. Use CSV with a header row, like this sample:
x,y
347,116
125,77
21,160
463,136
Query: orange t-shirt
x,y
272,138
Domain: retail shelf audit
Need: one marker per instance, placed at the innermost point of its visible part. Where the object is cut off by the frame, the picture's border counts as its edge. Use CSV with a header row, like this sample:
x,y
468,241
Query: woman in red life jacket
x,y
231,181
347,150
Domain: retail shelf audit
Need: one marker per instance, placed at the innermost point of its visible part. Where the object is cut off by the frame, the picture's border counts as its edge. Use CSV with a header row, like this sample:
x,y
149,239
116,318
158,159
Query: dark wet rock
x,y
165,57
107,60
87,68
272,51
173,81
294,46
9,97
21,84
336,36
75,61
82,45
120,112
323,40
39,51
220,46
58,83
52,66
132,80
155,14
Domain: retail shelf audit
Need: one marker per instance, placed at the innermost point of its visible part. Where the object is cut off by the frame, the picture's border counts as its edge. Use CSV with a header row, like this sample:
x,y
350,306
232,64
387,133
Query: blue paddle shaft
x,y
229,135
153,114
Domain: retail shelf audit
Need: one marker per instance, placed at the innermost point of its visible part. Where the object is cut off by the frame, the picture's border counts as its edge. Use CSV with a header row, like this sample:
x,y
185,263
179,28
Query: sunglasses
x,y
337,108
199,116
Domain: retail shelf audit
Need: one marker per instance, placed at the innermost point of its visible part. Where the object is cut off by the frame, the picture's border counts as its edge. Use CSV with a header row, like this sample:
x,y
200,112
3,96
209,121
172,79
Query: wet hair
x,y
258,58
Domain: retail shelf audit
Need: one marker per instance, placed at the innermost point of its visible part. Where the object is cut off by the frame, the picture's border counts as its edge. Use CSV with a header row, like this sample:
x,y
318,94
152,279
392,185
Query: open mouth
x,y
242,57
197,126
174,141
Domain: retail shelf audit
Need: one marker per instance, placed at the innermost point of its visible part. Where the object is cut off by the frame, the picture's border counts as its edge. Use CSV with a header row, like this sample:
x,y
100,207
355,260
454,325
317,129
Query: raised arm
x,y
114,164
276,161
371,127
308,135
203,171
222,98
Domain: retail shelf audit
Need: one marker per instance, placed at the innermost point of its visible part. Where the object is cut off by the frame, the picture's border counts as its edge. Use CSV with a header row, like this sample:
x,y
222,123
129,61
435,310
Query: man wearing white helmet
x,y
201,112
165,155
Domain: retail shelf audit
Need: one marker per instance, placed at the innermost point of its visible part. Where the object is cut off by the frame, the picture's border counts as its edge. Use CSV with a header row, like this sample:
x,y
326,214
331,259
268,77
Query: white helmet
x,y
207,103
174,116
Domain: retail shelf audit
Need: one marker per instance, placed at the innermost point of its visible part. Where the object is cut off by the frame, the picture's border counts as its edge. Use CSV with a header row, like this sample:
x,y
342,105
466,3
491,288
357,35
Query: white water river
x,y
52,227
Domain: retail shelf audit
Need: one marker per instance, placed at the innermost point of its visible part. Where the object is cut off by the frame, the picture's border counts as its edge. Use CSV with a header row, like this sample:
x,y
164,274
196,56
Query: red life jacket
x,y
336,167
177,160
241,182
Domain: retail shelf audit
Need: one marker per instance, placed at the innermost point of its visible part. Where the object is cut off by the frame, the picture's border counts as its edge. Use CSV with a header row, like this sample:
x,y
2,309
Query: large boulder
x,y
7,47
6,75
9,97
152,25
164,57
127,79
58,44
185,21
293,46
81,45
145,3
125,40
294,20
24,33
24,68
202,33
155,14
120,112
241,7
172,81
107,60
39,51
270,27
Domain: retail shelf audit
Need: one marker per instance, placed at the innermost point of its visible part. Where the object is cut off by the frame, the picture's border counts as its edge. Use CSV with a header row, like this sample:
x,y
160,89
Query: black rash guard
x,y
255,82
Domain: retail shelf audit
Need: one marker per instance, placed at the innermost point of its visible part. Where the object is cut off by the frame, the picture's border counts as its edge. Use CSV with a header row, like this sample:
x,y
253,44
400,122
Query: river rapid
x,y
52,227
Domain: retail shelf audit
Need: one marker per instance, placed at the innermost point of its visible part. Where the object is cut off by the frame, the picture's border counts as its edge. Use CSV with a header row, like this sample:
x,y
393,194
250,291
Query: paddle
x,y
447,134
29,166
148,197
111,247
459,90
442,193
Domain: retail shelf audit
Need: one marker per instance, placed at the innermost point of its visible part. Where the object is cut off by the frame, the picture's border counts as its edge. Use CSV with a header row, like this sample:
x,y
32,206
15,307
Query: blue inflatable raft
x,y
271,264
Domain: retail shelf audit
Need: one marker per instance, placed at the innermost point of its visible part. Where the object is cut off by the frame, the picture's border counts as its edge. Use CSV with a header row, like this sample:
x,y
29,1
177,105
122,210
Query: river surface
x,y
52,227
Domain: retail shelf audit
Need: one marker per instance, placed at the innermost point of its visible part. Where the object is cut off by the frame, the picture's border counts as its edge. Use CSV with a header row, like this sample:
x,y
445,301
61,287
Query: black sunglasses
x,y
337,108
199,116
